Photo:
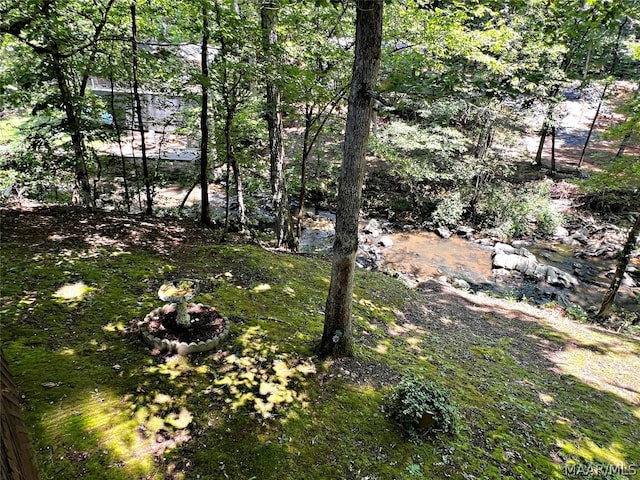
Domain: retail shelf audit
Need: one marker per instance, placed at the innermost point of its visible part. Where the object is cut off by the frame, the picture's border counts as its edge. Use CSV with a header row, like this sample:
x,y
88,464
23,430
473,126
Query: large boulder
x,y
521,260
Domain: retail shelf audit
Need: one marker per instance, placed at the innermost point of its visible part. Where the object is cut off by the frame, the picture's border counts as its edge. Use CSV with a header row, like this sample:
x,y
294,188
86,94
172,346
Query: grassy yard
x,y
539,395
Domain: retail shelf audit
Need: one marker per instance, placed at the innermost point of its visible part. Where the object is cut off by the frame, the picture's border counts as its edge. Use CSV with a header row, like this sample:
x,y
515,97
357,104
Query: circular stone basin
x,y
206,330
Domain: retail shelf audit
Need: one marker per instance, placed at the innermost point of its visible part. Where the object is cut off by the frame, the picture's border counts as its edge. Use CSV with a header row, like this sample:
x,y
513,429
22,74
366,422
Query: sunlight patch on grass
x,y
607,370
259,378
382,349
102,415
589,450
72,292
263,287
546,398
176,366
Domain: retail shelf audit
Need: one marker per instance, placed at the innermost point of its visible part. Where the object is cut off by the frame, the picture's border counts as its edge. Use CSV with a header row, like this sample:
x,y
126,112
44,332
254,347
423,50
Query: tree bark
x,y
205,213
337,337
138,107
116,126
231,86
554,168
623,145
623,262
83,187
273,114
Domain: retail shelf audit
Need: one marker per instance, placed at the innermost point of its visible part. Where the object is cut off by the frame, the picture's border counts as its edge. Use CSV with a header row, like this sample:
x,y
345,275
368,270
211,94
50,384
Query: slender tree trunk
x,y
227,200
612,68
138,107
232,162
543,138
306,149
309,141
230,87
337,337
554,169
623,262
283,227
116,126
485,139
593,124
205,213
237,177
623,145
83,186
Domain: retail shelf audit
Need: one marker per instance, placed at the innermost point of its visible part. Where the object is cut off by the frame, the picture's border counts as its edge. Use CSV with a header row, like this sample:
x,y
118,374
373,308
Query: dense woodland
x,y
420,114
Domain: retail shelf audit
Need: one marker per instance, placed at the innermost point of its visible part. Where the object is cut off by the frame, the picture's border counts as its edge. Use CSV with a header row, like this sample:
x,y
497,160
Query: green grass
x,y
536,393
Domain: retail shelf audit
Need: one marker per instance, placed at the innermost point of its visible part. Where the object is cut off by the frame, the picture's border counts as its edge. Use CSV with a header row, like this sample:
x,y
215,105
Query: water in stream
x,y
424,254
421,255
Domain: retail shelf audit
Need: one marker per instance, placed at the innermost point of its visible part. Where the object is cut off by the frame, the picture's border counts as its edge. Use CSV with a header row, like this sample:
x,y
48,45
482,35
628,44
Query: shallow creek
x,y
420,255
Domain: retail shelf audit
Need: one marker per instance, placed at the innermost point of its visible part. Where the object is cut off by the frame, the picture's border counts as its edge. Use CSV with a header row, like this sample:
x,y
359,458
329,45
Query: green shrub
x,y
508,212
420,406
449,211
576,312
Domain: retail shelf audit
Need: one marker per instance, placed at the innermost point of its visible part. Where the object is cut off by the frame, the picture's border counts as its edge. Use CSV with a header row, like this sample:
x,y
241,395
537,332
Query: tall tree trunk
x,y
230,88
337,337
284,223
138,107
612,68
623,145
554,169
205,213
306,149
82,186
623,262
233,164
118,129
593,124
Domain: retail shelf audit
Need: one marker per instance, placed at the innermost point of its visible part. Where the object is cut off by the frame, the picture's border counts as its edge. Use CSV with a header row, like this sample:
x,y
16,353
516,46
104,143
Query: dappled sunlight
x,y
287,290
28,299
72,293
263,287
588,450
407,328
546,399
175,366
381,348
259,378
102,416
606,361
608,371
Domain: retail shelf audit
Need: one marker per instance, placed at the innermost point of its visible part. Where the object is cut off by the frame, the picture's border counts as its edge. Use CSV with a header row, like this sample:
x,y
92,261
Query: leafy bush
x,y
425,158
450,210
508,212
576,312
420,406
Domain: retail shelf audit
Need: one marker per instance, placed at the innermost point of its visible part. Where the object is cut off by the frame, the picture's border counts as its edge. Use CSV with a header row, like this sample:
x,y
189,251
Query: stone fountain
x,y
180,326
